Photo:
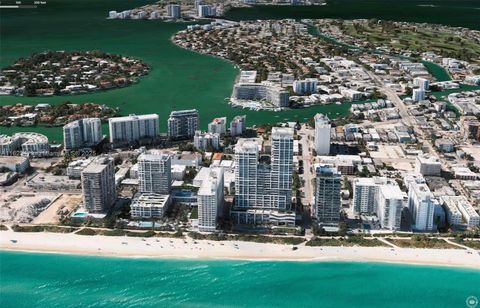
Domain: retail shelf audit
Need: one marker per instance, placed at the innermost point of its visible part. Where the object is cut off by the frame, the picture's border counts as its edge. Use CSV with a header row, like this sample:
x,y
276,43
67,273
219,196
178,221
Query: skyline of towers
x,y
263,184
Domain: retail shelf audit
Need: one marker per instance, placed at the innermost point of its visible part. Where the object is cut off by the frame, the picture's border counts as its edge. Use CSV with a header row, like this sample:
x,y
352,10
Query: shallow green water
x,y
49,280
179,79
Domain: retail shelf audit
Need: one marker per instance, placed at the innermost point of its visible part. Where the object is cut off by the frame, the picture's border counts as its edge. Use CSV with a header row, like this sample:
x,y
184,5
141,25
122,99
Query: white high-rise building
x,y
82,133
246,170
282,164
183,123
422,83
322,134
206,10
365,194
238,125
307,86
418,95
327,195
203,141
261,188
98,185
210,200
154,173
174,11
133,128
218,126
390,206
197,3
420,203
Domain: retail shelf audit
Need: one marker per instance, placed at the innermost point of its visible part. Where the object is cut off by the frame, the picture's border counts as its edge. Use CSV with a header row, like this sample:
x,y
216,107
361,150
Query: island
x,y
69,72
53,115
299,63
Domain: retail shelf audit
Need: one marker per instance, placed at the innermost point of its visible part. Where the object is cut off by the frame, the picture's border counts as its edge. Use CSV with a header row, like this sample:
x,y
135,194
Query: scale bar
x,y
18,6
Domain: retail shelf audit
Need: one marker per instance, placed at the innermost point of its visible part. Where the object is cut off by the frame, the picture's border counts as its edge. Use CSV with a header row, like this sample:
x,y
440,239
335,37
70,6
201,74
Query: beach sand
x,y
202,249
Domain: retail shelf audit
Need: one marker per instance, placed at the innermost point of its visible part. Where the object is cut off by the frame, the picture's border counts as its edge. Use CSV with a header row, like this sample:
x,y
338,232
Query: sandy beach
x,y
188,248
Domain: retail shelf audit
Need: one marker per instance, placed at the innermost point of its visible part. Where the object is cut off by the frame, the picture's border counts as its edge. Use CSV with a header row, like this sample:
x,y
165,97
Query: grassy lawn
x,y
194,213
422,242
40,228
469,243
420,40
350,241
247,238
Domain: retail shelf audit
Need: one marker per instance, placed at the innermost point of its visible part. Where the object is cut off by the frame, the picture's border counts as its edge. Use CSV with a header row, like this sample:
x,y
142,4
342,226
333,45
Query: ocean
x,y
56,280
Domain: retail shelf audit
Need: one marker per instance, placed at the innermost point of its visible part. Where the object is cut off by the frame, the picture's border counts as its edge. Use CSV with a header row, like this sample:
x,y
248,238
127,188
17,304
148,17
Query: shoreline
x,y
205,250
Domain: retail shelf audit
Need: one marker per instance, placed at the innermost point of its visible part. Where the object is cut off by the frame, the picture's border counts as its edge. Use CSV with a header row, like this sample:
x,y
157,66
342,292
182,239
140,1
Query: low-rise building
x,y
74,168
47,182
428,165
261,92
445,145
203,141
14,163
25,144
464,173
149,205
459,210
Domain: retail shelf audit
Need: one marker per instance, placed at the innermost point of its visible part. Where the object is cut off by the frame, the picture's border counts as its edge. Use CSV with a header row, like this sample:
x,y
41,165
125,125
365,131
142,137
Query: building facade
x,y
203,141
174,11
149,205
261,91
428,165
218,126
238,125
154,173
25,144
420,203
133,128
82,133
98,185
263,188
390,206
210,200
307,86
327,204
322,134
183,124
365,194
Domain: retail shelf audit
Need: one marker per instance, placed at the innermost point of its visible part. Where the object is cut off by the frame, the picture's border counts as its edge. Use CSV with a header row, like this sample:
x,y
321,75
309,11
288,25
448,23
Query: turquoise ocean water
x,y
51,280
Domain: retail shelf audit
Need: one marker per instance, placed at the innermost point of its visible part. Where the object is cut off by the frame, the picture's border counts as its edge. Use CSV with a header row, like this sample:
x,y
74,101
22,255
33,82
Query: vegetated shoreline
x,y
181,249
132,78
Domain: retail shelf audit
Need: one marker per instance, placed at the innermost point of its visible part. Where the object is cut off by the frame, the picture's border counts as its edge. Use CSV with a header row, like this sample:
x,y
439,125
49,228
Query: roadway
x,y
308,160
407,118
